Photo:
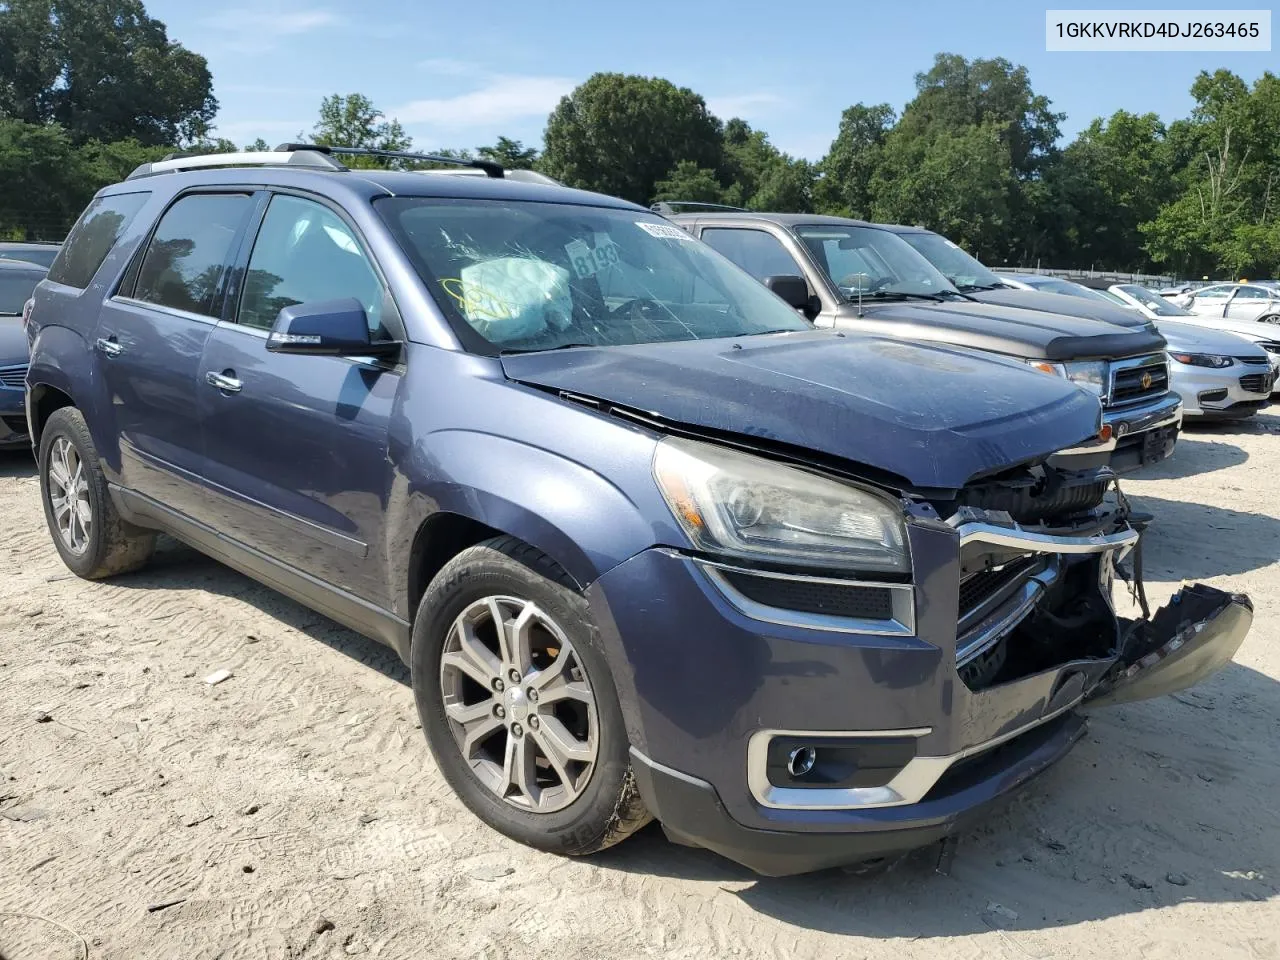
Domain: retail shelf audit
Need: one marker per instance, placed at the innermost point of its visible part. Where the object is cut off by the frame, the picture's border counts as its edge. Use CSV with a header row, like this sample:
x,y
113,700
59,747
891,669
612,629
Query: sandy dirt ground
x,y
294,811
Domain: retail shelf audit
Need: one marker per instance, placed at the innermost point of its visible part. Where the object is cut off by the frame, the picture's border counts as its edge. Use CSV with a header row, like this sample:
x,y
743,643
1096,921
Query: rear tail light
x,y
26,311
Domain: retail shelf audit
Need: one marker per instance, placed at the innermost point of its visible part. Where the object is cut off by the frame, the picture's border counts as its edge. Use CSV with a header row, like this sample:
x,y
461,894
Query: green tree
x,y
955,182
353,121
1227,188
621,134
1115,176
512,154
102,69
258,146
688,181
759,176
846,171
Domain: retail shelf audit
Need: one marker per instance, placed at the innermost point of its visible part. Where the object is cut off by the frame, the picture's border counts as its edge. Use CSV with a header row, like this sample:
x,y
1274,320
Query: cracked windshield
x,y
529,276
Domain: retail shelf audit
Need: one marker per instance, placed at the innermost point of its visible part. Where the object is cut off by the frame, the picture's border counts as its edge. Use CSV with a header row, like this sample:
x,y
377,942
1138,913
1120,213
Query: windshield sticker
x,y
587,262
663,231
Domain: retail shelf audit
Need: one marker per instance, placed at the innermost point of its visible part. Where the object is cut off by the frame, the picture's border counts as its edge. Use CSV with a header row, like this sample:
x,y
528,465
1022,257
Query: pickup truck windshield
x,y
521,276
958,267
866,262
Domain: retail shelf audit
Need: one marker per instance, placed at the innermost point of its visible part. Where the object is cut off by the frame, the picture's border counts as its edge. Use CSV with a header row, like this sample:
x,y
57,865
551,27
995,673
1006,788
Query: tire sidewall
x,y
69,423
482,572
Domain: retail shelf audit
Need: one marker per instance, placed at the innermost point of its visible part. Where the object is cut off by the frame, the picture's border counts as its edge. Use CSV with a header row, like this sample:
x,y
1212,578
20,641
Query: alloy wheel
x,y
519,704
68,489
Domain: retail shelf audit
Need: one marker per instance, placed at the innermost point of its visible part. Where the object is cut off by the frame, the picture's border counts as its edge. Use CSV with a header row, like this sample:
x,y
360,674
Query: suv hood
x,y
1024,332
1053,303
930,415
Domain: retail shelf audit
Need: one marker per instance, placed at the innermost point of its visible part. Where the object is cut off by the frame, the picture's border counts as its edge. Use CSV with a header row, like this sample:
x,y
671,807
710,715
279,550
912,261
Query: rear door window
x,y
188,256
93,236
760,254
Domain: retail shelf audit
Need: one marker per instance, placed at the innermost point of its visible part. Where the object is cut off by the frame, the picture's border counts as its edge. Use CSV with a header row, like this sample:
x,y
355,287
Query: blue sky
x,y
458,75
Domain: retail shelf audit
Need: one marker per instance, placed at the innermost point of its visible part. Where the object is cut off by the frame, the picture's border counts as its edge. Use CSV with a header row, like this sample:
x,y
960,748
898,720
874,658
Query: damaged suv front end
x,y
820,718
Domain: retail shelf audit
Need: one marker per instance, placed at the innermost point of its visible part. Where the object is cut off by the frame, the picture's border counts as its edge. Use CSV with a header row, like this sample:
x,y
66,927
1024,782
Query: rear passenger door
x,y
150,338
297,445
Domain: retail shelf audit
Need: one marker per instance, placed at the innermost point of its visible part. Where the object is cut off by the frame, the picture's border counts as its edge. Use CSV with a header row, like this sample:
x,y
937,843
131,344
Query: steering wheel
x,y
853,282
640,308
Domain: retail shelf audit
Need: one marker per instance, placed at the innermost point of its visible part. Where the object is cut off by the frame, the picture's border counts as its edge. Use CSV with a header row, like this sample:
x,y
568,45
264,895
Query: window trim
x,y
391,320
128,287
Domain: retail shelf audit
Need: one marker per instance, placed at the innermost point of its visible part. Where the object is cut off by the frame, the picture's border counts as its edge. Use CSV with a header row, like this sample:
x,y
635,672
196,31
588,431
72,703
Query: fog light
x,y
801,760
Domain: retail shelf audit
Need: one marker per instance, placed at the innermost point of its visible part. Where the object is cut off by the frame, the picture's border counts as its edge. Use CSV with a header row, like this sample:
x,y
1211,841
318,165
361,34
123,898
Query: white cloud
x,y
249,30
744,105
501,100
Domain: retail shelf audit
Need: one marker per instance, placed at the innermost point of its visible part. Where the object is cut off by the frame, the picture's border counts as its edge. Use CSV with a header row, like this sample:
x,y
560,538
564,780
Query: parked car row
x,y
810,578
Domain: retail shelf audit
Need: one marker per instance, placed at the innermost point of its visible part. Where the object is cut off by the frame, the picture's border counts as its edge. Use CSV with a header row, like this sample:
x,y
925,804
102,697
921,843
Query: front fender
x,y
583,520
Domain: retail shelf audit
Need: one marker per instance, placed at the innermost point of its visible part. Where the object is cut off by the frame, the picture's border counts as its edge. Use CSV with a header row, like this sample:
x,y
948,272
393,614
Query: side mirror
x,y
329,328
794,290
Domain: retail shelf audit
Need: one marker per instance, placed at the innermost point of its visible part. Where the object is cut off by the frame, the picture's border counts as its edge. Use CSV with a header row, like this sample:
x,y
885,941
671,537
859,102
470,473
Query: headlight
x,y
731,502
1090,374
1202,360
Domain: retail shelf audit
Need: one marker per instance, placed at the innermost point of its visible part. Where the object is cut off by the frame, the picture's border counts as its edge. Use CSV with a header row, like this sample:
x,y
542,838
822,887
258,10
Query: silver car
x,y
1234,301
1155,306
1218,375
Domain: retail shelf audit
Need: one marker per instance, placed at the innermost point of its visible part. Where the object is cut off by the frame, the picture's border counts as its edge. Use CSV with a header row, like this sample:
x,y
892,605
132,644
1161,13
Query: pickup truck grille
x,y
1133,381
13,376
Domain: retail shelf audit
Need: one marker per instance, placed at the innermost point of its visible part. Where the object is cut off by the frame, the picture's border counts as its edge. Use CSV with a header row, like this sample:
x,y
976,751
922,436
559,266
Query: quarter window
x,y
93,236
305,253
188,256
1251,293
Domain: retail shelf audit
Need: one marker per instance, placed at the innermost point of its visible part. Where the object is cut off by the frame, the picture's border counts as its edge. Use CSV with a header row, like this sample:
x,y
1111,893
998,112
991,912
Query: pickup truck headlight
x,y
1202,360
735,503
1090,374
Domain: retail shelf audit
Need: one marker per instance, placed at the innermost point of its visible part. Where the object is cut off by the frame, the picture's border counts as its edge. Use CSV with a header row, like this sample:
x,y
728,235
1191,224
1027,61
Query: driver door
x,y
296,446
760,253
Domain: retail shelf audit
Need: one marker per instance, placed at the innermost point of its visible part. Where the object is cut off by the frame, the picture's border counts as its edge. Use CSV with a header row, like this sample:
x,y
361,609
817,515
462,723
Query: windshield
x,y
956,265
16,288
518,276
867,261
1067,288
1153,301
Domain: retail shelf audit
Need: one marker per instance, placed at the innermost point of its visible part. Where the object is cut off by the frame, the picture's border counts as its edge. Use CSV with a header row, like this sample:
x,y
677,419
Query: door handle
x,y
109,347
223,382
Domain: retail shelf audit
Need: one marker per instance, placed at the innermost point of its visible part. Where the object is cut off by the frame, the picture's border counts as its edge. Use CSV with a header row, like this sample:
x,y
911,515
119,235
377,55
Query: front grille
x,y
1139,381
1256,383
13,376
977,591
805,596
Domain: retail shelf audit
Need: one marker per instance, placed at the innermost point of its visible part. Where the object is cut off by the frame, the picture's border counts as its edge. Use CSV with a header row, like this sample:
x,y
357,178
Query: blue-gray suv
x,y
651,544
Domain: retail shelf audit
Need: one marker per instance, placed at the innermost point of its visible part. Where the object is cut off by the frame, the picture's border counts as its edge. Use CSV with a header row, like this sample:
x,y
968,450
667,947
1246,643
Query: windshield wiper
x,y
962,287
561,346
876,294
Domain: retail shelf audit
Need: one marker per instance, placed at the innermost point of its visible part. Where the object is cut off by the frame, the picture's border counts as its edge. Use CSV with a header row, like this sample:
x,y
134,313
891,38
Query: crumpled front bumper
x,y
701,682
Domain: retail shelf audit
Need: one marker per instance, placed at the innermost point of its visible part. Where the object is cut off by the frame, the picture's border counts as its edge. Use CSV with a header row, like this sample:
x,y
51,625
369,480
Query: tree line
x,y
89,89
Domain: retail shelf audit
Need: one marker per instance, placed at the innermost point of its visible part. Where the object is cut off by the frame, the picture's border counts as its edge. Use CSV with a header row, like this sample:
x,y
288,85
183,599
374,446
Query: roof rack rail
x,y
175,163
490,168
666,207
313,155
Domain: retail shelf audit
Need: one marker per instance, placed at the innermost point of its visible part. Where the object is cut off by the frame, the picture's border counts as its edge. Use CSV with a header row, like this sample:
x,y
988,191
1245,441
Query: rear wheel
x,y
92,538
518,704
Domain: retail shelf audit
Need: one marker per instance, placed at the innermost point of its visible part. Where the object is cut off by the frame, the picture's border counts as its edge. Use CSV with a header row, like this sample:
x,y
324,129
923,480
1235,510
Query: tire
x,y
594,805
107,544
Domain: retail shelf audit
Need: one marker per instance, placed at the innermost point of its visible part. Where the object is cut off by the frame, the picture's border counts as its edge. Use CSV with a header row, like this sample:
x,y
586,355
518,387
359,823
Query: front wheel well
x,y
445,535
44,401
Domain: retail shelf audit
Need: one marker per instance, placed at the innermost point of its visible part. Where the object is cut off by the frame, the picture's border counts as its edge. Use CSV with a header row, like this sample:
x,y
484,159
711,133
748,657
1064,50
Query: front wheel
x,y
92,538
518,704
